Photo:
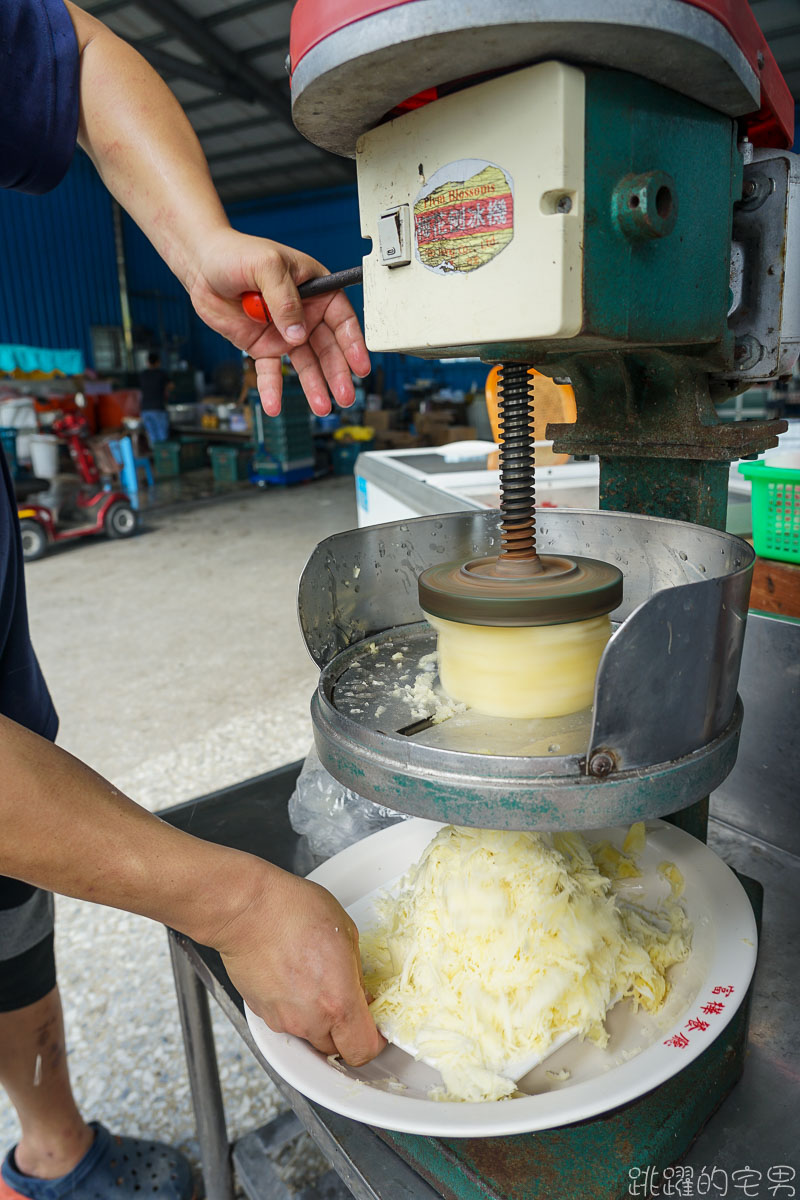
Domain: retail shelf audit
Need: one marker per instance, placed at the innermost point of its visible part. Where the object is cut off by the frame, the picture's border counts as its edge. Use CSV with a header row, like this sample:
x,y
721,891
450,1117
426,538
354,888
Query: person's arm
x,y
288,946
149,157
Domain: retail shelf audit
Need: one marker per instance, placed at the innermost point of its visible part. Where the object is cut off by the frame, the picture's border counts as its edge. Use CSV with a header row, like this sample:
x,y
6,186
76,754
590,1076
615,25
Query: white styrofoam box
x,y
18,412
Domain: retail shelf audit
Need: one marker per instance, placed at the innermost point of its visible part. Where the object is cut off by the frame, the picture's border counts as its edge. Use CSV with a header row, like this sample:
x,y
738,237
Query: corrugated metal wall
x,y
58,273
161,312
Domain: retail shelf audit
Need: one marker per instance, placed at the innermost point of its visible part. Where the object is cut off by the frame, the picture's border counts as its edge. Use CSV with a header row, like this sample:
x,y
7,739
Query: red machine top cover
x,y
772,125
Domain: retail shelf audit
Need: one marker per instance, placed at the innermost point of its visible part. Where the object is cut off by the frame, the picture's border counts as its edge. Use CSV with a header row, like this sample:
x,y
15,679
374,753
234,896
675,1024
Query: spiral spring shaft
x,y
517,469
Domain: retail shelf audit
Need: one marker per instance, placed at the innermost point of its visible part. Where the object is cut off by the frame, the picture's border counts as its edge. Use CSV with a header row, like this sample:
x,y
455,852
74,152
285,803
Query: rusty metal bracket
x,y
652,404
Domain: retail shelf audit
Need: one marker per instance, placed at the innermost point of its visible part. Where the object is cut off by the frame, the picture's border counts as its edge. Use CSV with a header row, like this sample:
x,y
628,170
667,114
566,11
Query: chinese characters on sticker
x,y
464,216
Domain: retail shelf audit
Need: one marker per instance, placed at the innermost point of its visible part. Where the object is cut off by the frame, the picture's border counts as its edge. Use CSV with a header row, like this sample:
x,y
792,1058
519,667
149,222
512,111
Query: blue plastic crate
x,y
8,440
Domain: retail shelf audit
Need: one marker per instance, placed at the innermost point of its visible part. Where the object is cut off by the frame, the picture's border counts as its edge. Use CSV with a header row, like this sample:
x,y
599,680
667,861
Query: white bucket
x,y
44,455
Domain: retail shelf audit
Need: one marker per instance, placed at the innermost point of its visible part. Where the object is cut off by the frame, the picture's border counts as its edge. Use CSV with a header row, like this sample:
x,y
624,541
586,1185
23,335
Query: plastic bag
x,y
331,816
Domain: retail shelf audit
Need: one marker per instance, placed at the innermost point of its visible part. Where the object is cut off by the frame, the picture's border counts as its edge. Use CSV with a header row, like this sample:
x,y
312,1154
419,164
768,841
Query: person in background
x,y
155,386
249,381
287,944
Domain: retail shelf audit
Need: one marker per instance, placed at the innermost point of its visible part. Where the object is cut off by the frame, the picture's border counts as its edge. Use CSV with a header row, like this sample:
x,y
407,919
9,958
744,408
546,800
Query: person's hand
x,y
322,337
293,956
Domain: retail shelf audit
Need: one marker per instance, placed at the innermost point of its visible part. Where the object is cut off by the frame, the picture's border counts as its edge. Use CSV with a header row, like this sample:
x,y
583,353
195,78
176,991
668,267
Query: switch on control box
x,y
394,236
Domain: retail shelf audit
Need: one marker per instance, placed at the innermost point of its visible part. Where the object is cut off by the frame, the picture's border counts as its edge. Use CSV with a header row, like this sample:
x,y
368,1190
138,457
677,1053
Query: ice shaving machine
x,y
603,191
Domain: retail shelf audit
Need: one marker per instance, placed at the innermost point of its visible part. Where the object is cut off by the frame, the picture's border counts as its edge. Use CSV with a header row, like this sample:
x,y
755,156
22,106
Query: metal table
x,y
755,1129
252,816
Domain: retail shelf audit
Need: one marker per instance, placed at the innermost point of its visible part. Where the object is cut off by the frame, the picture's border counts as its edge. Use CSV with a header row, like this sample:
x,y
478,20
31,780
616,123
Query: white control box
x,y
474,205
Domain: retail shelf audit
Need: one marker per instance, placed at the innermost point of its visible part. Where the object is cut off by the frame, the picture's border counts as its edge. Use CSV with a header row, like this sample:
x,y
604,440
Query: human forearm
x,y
289,947
67,829
150,159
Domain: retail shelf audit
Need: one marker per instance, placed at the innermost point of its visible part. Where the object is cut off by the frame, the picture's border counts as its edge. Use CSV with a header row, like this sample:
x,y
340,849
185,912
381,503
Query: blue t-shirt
x,y
23,692
39,101
39,94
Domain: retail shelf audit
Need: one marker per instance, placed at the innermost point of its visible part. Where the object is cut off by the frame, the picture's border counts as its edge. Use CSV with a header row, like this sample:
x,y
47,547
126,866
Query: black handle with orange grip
x,y
255,306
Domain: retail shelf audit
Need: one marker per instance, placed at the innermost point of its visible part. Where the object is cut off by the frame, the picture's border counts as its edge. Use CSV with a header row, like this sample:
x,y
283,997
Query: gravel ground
x,y
177,668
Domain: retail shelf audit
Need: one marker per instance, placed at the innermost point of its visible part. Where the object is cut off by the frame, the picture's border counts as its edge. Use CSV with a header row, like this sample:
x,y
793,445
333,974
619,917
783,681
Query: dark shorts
x,y
27,960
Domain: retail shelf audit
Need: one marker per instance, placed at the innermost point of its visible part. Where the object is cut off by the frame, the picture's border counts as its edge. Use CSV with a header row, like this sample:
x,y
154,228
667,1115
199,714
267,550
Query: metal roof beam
x,y
172,15
107,6
288,143
279,43
223,15
206,102
235,127
170,64
318,169
785,31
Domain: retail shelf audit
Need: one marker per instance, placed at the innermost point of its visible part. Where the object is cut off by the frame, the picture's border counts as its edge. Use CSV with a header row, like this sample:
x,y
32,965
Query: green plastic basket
x,y
776,509
229,463
167,459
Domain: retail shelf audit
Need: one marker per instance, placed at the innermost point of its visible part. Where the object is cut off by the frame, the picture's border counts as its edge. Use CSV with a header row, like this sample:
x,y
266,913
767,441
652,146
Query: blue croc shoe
x,y
115,1168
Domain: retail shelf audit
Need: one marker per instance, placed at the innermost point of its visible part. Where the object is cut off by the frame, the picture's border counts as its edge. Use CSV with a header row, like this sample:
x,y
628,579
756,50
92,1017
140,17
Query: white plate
x,y
643,1051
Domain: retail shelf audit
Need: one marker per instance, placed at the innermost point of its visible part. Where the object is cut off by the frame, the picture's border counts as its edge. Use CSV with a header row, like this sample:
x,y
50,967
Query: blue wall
x,y
58,274
158,302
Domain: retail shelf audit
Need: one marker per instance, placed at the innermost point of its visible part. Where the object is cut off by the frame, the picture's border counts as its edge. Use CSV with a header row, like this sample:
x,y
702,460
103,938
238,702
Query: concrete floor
x,y
177,666
175,660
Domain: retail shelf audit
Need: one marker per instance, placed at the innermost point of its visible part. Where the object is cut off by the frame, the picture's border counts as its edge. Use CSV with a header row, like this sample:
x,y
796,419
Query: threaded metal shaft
x,y
517,471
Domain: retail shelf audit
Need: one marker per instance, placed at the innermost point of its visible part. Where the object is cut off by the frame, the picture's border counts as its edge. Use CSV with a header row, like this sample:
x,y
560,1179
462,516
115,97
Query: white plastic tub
x,y
44,455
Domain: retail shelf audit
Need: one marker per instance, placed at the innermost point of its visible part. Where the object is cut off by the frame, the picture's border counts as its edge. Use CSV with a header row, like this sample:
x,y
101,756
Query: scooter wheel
x,y
34,540
120,521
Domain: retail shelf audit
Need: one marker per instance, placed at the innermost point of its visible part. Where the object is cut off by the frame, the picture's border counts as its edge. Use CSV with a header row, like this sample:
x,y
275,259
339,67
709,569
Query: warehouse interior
x,y
164,608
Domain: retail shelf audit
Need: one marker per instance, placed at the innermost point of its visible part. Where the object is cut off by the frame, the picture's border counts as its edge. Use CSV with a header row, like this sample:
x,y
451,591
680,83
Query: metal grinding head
x,y
568,589
519,586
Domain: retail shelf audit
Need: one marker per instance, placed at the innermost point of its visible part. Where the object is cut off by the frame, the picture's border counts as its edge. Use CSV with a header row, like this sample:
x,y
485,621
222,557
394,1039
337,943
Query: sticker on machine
x,y
464,216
